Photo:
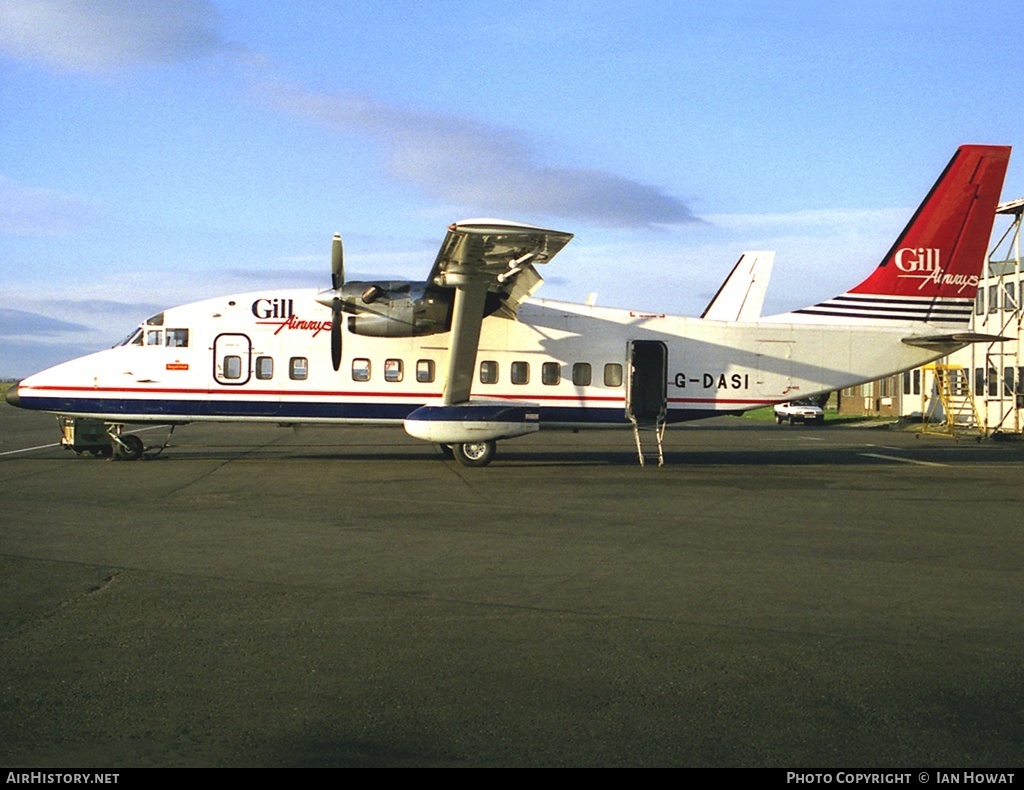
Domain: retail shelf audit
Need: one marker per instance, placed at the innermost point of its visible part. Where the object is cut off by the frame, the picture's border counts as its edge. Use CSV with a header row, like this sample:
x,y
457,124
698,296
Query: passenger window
x,y
264,368
393,370
425,371
520,372
232,367
581,374
613,375
360,370
489,372
298,369
177,338
550,373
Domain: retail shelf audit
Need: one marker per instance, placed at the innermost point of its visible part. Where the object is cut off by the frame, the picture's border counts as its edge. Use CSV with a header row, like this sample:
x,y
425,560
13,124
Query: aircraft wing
x,y
478,257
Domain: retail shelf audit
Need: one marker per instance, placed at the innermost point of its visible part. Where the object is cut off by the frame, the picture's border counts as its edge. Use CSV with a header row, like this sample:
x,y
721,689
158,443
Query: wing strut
x,y
467,318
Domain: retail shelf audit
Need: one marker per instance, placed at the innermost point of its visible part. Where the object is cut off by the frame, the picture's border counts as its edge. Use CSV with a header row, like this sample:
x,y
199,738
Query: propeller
x,y
337,280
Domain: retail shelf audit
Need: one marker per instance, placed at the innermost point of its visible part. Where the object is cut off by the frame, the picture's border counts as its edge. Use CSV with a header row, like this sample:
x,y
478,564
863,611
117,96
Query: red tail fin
x,y
942,250
932,271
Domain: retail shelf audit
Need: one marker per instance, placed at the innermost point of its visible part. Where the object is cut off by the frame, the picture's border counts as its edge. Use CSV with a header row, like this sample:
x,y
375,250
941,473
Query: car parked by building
x,y
805,411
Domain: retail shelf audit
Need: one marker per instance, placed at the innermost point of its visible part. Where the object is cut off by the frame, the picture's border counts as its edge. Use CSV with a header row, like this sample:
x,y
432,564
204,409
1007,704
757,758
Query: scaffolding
x,y
998,369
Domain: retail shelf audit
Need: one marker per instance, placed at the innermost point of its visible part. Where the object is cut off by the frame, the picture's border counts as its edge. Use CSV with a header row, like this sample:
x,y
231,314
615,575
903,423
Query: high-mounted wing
x,y
481,256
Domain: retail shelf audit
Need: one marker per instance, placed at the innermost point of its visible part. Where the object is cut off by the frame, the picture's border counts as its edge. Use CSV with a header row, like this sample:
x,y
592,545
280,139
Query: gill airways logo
x,y
921,259
925,264
283,310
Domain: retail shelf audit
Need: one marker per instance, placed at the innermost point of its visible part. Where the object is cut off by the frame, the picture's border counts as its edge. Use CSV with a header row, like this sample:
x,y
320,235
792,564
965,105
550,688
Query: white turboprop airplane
x,y
466,358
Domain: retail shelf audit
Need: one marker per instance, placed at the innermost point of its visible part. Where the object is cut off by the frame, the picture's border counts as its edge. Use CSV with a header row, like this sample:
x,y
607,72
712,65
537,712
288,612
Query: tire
x,y
778,419
446,452
792,420
474,453
130,448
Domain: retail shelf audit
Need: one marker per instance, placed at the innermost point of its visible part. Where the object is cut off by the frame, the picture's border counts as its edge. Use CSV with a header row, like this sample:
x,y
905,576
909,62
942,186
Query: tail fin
x,y
741,296
933,270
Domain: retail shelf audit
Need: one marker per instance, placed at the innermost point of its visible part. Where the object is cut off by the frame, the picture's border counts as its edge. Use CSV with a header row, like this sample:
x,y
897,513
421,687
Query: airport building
x,y
982,385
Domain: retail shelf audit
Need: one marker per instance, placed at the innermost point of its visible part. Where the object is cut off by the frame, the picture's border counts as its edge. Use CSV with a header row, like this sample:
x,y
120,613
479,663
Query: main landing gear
x,y
470,453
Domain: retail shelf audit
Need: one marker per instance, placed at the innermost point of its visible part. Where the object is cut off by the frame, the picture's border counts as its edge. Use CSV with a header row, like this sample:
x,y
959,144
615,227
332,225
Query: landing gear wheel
x,y
446,451
130,448
474,453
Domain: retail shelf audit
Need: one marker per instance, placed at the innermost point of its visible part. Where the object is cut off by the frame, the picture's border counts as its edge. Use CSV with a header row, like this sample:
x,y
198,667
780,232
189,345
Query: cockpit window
x,y
156,320
154,337
177,338
134,338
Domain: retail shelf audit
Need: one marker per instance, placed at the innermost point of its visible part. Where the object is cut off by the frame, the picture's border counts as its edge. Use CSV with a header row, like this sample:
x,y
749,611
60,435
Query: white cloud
x,y
105,36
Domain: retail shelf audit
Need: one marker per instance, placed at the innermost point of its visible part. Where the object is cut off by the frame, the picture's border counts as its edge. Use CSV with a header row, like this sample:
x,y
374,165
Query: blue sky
x,y
158,152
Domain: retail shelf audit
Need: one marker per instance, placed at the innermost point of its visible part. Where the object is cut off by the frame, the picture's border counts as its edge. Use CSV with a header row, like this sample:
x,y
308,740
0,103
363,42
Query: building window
x,y
581,374
1009,298
993,382
993,298
520,372
979,302
961,382
298,369
360,369
264,368
613,374
425,371
979,381
550,373
1007,382
489,372
393,370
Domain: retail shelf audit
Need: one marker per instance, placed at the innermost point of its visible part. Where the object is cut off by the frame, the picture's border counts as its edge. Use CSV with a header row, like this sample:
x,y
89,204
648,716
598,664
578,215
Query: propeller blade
x,y
337,262
336,333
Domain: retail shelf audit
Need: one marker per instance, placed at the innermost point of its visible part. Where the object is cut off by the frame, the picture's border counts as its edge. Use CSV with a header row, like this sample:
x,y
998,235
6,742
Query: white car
x,y
804,411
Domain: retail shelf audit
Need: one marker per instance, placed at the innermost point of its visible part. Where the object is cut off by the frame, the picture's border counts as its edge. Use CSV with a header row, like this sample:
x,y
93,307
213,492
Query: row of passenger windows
x,y
394,371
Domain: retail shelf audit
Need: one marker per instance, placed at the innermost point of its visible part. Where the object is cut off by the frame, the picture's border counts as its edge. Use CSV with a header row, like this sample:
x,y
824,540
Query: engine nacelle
x,y
395,309
471,422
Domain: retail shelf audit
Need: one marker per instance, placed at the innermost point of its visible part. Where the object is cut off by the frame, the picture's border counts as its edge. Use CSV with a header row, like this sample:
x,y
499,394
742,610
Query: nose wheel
x,y
128,447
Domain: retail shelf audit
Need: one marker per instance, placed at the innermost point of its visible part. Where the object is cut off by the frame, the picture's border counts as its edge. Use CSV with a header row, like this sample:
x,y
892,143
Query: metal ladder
x,y
656,427
959,414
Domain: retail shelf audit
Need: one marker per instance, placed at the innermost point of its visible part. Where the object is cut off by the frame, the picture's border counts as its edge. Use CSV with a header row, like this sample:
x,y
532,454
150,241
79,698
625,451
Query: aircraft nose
x,y
11,396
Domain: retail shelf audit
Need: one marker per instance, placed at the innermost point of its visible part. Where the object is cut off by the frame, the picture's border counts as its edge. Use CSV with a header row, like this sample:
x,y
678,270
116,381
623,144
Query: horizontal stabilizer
x,y
954,339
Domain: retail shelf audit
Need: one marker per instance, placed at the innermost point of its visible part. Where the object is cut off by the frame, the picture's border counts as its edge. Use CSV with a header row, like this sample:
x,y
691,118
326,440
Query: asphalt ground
x,y
260,596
